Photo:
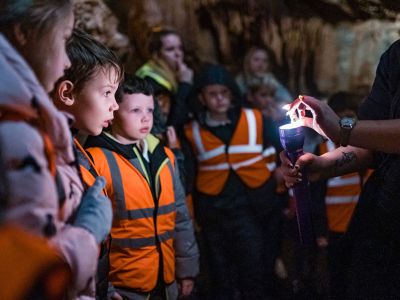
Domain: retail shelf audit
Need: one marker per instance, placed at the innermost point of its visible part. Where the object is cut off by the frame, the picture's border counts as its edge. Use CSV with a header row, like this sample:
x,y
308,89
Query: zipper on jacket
x,y
152,184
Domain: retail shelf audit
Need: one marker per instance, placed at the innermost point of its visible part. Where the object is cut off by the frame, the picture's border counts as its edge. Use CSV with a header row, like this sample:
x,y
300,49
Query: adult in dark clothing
x,y
234,194
369,255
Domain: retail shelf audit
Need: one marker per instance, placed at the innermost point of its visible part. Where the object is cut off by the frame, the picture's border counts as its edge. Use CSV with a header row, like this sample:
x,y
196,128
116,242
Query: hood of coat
x,y
20,88
214,74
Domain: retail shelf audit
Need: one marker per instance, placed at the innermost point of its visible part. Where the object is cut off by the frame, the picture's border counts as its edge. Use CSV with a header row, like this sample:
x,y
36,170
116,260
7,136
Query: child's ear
x,y
19,34
65,92
201,99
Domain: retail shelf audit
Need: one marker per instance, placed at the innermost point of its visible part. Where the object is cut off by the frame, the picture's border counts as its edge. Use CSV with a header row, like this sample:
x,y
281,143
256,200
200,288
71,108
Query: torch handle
x,y
303,203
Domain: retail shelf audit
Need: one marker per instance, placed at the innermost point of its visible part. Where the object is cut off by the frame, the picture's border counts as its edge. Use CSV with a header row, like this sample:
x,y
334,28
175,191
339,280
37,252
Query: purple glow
x,y
292,140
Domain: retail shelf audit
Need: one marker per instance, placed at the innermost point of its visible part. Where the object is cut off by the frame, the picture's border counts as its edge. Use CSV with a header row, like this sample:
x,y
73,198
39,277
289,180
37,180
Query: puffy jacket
x,y
34,200
342,195
244,154
151,220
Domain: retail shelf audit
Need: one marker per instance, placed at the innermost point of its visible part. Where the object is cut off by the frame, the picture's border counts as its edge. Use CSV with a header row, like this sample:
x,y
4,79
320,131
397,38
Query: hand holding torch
x,y
292,140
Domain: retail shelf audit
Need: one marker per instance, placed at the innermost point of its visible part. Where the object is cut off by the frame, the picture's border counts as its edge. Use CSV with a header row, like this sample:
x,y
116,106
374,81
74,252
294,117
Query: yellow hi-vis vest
x,y
244,155
341,196
134,255
147,71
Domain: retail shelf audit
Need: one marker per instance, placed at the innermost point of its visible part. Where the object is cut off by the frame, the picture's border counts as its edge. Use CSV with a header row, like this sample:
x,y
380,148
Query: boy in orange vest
x,y
152,241
87,92
234,194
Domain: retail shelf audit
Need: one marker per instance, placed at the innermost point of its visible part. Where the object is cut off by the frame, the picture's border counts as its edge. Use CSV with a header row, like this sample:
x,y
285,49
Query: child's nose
x,y
114,106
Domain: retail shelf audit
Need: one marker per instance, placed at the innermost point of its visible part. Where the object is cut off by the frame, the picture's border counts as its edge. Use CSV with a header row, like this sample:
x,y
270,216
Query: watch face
x,y
347,122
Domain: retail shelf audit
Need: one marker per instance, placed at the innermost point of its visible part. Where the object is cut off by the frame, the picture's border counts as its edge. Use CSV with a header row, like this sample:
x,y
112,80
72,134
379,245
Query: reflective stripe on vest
x,y
341,196
341,189
270,155
147,71
134,240
122,213
244,155
143,242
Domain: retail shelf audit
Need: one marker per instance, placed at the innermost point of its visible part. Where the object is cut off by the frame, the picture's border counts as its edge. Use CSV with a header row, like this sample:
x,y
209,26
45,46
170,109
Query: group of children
x,y
152,241
117,200
58,190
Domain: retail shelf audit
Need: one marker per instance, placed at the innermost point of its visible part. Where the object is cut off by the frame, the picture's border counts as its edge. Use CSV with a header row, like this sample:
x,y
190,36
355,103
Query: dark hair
x,y
342,101
35,15
133,84
155,42
88,56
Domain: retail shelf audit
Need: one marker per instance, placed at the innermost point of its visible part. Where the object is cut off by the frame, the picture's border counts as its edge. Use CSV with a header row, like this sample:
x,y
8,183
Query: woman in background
x,y
256,66
167,72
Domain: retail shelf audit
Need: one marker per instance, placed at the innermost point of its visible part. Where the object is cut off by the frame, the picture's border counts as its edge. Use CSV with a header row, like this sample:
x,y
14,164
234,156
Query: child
x,y
261,93
87,92
152,231
256,65
234,194
37,144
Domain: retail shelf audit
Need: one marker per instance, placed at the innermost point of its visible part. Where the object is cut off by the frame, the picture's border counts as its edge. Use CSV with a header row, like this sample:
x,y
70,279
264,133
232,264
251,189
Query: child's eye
x,y
108,93
150,110
136,110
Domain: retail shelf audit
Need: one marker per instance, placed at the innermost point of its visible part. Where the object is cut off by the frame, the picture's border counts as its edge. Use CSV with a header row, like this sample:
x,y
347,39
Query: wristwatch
x,y
346,125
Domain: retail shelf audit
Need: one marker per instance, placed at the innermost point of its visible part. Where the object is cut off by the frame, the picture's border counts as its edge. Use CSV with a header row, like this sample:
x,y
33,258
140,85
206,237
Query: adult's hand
x,y
185,74
323,119
172,139
316,167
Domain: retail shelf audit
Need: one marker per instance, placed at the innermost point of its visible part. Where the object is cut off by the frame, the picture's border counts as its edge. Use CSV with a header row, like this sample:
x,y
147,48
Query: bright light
x,y
290,125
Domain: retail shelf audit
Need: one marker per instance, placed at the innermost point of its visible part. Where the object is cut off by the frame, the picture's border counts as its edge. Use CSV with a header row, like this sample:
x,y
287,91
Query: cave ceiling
x,y
330,10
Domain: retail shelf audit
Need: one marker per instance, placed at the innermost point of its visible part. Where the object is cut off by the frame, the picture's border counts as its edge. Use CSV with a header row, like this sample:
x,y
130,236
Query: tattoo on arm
x,y
347,157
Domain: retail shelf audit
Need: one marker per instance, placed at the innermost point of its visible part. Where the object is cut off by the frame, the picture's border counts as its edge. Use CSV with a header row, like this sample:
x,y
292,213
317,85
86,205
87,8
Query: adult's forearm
x,y
344,160
382,135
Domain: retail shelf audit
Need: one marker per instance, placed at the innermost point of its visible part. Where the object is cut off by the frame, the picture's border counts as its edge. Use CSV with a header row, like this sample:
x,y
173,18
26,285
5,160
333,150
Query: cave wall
x,y
317,46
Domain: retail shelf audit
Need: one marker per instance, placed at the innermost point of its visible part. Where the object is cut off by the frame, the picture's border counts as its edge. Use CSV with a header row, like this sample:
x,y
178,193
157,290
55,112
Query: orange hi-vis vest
x,y
144,219
87,168
341,196
244,155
